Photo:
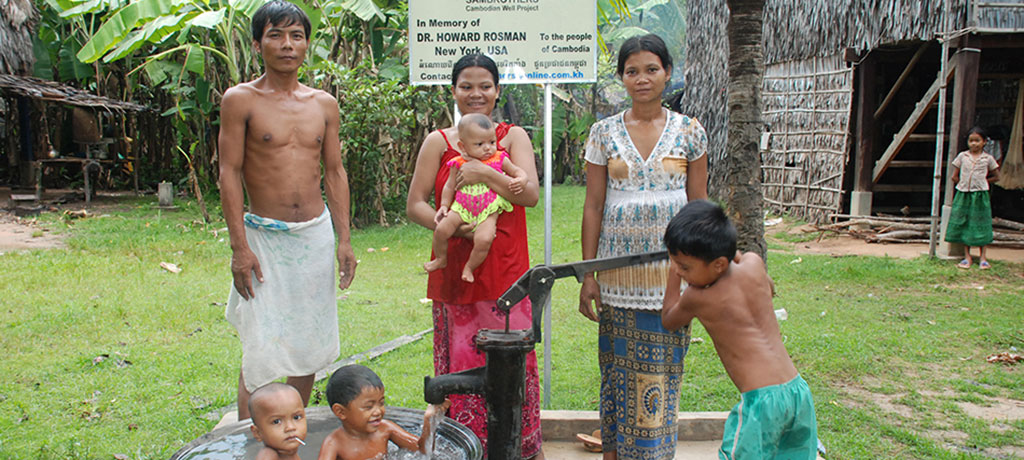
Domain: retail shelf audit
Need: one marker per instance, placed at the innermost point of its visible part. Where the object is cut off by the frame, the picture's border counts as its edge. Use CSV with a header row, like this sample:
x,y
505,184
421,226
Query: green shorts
x,y
776,421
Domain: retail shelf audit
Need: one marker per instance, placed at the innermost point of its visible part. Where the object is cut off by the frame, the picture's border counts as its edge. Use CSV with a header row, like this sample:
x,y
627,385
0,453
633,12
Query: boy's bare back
x,y
284,135
737,312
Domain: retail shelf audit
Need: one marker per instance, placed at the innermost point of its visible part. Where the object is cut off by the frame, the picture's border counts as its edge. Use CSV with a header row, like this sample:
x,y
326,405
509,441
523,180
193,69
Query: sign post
x,y
531,41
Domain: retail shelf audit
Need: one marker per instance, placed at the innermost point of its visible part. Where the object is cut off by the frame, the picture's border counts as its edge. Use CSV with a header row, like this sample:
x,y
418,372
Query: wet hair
x,y
348,382
474,60
702,230
278,13
979,131
264,391
478,119
649,42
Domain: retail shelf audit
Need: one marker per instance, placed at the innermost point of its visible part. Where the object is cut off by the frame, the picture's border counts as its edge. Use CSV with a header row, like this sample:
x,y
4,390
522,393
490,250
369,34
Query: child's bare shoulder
x,y
267,453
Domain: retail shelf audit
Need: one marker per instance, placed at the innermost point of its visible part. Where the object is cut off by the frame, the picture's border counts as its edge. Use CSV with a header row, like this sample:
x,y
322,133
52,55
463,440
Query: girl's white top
x,y
973,171
642,197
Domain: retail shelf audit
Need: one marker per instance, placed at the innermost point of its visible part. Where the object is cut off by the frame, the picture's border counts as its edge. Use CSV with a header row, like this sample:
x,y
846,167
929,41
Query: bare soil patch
x,y
844,245
21,234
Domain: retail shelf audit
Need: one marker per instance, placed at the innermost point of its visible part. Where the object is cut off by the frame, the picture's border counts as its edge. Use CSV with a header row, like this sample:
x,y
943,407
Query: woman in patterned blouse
x,y
643,165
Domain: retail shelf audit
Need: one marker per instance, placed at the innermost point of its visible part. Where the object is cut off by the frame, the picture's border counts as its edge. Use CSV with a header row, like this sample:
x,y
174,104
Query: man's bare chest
x,y
286,128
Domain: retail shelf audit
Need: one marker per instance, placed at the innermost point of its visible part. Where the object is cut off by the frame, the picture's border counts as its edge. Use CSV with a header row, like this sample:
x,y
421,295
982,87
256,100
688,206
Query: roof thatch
x,y
800,29
17,18
50,91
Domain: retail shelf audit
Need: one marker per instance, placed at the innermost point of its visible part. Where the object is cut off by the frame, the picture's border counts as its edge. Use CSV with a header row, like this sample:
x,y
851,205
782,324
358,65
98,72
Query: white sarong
x,y
290,325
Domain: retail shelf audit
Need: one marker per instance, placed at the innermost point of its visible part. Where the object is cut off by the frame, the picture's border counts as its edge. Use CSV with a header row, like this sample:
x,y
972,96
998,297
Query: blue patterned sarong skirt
x,y
641,368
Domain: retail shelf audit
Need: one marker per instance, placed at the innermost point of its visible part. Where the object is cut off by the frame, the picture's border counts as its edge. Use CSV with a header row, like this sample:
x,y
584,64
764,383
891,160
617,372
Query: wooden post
x,y
864,162
965,92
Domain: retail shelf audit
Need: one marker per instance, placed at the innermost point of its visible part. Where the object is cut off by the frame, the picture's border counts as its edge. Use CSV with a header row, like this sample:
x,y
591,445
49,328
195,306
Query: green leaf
x,y
195,60
158,71
208,19
154,31
69,68
90,6
119,24
363,9
203,95
247,7
43,67
623,33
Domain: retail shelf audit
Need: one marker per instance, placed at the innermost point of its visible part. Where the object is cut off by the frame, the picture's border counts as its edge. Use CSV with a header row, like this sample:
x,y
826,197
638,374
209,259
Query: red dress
x,y
461,309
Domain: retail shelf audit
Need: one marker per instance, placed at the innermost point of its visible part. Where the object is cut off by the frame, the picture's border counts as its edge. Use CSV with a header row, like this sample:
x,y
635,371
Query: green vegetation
x,y
106,353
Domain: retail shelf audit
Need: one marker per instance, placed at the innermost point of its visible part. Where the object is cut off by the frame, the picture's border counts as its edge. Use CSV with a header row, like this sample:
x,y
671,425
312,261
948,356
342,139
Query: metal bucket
x,y
235,441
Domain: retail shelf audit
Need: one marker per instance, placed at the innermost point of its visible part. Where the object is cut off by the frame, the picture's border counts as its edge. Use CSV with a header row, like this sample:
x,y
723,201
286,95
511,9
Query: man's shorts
x,y
776,421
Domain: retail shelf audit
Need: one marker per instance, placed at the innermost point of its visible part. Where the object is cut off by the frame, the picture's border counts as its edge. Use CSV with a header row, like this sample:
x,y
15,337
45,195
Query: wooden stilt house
x,y
850,95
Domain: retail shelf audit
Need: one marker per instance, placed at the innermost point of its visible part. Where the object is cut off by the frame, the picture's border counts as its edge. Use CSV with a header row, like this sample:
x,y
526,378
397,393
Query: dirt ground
x,y
839,245
17,234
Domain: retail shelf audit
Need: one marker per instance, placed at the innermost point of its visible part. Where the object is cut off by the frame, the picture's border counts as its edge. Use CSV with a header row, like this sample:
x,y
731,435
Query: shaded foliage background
x,y
179,56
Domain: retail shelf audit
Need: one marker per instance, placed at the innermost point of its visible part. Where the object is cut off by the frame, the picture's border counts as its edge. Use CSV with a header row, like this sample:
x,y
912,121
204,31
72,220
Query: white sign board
x,y
532,41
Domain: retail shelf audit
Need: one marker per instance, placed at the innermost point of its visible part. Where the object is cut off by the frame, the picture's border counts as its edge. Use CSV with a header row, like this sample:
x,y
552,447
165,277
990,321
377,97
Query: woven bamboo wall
x,y
807,111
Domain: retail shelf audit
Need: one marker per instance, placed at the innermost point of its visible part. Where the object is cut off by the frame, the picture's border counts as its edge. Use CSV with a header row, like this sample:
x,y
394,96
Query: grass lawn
x,y
105,352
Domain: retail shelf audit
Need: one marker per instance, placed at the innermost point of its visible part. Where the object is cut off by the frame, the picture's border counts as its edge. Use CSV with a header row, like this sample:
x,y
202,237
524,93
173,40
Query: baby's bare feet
x,y
435,264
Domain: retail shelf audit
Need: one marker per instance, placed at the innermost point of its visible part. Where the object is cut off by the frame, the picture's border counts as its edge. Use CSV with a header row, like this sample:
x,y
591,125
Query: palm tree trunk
x,y
743,158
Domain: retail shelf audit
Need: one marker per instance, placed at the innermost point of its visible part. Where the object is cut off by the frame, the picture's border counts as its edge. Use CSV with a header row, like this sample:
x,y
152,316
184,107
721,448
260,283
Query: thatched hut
x,y
858,81
17,18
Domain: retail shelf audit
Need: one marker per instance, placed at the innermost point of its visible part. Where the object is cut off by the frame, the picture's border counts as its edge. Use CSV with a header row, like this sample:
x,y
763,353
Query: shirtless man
x,y
275,133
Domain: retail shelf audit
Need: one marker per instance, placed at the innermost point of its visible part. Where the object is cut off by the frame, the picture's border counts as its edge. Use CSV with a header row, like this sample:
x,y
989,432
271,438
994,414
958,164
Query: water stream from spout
x,y
434,422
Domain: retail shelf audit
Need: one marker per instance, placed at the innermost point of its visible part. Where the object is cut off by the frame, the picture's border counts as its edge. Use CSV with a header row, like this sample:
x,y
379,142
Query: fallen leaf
x,y
1005,358
100,359
370,249
384,249
931,322
132,427
121,457
170,267
797,260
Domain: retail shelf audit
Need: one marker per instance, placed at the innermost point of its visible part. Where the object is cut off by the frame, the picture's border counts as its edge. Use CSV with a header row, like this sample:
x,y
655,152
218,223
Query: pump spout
x,y
469,381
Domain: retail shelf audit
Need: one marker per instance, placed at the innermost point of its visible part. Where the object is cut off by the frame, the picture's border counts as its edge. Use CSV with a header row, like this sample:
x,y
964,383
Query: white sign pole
x,y
547,242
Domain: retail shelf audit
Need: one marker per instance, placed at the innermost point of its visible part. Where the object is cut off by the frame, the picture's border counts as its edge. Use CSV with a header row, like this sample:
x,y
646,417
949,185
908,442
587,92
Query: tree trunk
x,y
743,159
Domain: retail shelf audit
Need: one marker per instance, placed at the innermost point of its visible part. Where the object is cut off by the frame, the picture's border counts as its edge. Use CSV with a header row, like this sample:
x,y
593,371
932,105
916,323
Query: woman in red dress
x,y
460,309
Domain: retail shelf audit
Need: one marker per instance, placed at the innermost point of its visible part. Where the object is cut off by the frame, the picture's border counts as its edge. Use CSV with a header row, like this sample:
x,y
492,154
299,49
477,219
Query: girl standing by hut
x,y
970,220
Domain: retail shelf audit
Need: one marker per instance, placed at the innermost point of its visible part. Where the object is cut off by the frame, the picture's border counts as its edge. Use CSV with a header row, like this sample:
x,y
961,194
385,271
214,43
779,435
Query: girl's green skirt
x,y
970,220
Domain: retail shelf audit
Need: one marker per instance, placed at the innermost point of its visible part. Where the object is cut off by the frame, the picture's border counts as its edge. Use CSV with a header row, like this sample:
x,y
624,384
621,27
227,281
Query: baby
x,y
474,204
278,420
356,396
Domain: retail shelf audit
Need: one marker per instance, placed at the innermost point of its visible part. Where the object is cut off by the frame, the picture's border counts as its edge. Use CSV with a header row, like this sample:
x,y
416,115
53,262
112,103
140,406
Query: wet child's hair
x,y
266,390
479,119
702,230
278,13
348,382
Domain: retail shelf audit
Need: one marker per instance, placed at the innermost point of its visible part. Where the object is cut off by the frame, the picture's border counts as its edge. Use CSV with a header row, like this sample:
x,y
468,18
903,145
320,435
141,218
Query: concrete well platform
x,y
700,434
